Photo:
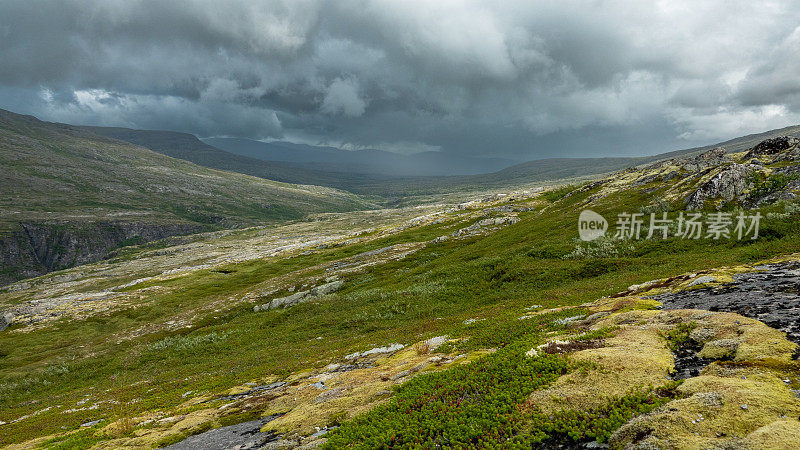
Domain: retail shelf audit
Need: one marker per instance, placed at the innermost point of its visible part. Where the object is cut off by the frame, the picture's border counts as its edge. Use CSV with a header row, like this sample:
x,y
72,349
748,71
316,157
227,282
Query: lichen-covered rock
x,y
729,184
480,225
289,300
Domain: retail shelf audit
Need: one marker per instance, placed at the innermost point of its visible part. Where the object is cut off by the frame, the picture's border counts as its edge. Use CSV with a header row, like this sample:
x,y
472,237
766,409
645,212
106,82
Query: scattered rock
x,y
712,154
568,320
241,436
480,225
323,431
705,160
709,399
436,342
401,374
91,423
439,239
328,395
327,288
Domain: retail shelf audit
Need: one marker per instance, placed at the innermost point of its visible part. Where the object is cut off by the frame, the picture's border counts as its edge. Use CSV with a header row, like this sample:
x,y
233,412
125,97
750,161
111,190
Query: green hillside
x,y
69,195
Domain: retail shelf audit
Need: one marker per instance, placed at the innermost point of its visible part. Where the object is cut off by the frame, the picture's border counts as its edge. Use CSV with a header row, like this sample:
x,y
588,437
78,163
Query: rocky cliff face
x,y
37,248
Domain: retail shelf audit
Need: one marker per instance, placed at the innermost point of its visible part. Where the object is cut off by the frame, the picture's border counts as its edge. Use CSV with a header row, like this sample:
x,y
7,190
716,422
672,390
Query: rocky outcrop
x,y
773,146
300,297
705,160
727,185
769,295
38,248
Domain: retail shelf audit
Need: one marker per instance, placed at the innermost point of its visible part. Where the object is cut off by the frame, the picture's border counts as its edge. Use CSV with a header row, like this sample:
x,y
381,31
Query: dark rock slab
x,y
771,295
246,435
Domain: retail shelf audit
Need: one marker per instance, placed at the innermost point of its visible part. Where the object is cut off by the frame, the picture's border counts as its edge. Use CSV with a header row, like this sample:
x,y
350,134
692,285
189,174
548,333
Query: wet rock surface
x,y
771,295
240,436
688,364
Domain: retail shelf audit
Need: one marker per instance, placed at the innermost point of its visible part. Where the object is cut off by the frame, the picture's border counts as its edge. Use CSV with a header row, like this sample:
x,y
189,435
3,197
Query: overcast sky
x,y
522,79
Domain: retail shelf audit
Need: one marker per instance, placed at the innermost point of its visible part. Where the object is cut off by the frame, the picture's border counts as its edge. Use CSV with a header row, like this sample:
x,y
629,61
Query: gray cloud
x,y
508,78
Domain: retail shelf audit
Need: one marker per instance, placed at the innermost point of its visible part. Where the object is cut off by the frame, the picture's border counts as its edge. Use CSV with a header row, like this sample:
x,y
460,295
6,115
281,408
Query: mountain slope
x,y
68,196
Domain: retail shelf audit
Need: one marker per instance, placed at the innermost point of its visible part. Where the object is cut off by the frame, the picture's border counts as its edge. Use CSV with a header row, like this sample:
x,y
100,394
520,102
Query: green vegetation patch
x,y
474,404
599,423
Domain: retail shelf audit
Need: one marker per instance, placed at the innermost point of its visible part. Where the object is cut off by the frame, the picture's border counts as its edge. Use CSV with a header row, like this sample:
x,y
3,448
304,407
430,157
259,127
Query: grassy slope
x,y
54,171
430,292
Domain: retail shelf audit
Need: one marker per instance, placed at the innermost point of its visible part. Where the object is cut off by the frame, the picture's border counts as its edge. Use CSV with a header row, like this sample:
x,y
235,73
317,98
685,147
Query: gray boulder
x,y
5,320
439,239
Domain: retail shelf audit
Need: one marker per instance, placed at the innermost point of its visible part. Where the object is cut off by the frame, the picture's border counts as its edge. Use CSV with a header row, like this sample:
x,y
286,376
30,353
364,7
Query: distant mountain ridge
x,y
189,147
362,161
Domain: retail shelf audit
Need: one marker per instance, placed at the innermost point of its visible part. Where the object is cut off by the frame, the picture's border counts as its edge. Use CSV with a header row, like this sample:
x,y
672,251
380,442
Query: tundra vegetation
x,y
528,313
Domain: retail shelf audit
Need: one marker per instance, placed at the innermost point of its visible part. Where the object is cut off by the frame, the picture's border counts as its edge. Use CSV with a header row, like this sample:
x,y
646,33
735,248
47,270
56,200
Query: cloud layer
x,y
521,79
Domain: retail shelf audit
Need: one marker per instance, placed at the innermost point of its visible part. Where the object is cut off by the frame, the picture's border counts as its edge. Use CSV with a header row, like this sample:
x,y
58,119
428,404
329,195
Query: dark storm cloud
x,y
514,78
